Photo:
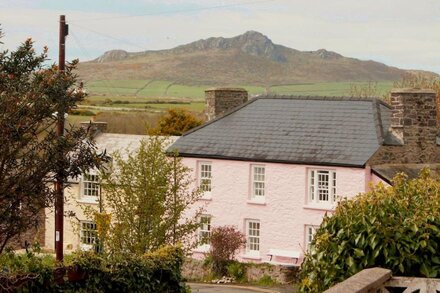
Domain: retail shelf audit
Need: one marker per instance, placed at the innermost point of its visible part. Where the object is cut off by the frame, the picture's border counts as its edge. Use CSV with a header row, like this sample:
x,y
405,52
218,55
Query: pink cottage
x,y
273,166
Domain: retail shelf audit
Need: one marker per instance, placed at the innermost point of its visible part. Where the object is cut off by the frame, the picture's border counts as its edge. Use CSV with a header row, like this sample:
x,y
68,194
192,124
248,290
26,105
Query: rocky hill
x,y
251,59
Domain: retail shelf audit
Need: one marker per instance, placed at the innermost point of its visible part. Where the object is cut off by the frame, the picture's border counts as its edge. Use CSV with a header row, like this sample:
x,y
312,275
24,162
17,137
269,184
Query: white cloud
x,y
399,33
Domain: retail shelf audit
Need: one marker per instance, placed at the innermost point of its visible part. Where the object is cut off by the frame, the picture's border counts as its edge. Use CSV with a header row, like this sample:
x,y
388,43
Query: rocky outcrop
x,y
113,55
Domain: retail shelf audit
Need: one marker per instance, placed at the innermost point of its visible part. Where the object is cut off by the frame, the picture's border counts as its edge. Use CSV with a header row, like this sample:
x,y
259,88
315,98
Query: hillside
x,y
250,58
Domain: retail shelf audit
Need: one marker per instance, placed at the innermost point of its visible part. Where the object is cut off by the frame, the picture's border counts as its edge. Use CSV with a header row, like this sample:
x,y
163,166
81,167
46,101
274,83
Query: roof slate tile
x,y
313,130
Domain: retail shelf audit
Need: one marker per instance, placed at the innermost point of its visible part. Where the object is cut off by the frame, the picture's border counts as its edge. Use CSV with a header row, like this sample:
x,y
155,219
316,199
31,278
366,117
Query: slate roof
x,y
111,142
289,129
388,171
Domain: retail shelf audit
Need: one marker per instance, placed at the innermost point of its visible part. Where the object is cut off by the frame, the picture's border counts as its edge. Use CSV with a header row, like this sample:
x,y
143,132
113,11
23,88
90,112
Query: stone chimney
x,y
413,133
414,116
94,127
221,100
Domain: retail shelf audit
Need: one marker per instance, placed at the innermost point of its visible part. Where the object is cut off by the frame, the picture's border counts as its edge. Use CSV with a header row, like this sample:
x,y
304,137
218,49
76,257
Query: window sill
x,y
321,207
88,200
86,247
257,202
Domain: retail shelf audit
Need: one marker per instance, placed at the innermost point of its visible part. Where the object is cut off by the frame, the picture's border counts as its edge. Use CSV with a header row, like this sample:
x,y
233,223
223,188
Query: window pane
x,y
205,229
253,235
205,177
323,185
258,181
310,233
88,233
90,185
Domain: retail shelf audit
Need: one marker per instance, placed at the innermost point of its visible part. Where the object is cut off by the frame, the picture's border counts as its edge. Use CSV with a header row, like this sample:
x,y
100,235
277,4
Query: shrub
x,y
266,280
394,227
107,102
80,112
237,270
159,271
225,242
175,122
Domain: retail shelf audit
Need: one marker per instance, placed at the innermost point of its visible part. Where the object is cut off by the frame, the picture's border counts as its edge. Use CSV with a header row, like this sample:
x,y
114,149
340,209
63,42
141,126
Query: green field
x,y
326,88
160,89
141,102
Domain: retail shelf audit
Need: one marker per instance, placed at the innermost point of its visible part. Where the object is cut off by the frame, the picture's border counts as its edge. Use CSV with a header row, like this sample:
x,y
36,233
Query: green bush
x,y
159,271
266,280
394,227
80,112
237,270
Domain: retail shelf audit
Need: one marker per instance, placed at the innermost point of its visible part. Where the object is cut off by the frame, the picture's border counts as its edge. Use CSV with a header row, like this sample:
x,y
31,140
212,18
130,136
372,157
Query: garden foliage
x,y
176,122
394,227
147,201
225,243
33,97
159,271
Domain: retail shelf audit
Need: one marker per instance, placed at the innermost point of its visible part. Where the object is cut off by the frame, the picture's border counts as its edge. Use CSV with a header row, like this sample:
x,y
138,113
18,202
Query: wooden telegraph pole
x,y
59,188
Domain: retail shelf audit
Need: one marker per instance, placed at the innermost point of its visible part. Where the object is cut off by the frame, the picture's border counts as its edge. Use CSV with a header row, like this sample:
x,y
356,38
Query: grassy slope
x,y
126,89
172,95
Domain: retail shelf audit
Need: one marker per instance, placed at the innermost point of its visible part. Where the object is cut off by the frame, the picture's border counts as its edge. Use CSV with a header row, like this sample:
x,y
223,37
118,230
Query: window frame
x,y
96,184
250,239
93,236
307,239
314,187
254,196
202,230
200,164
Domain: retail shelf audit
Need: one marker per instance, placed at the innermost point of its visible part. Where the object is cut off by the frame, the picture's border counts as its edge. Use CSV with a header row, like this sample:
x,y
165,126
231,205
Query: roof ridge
x,y
324,98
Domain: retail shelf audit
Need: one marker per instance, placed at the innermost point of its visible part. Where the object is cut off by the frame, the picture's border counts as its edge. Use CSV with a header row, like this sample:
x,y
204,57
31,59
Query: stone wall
x,y
193,270
414,123
221,100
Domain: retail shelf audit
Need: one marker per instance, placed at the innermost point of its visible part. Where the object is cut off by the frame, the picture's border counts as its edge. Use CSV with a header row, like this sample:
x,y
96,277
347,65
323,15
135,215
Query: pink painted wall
x,y
284,215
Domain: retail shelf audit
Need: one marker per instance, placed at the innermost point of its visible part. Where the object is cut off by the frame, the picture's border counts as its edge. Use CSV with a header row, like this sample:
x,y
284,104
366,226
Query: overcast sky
x,y
402,33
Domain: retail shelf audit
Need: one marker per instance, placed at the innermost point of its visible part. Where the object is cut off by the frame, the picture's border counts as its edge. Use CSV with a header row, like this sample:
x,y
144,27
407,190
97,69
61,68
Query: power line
x,y
175,11
84,51
110,37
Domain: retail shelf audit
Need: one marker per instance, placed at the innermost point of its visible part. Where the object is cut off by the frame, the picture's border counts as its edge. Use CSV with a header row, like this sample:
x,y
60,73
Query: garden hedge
x,y
159,271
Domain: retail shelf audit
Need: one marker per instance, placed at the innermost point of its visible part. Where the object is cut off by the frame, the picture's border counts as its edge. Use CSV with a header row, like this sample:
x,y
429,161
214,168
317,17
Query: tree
x,y
148,195
30,152
176,122
395,227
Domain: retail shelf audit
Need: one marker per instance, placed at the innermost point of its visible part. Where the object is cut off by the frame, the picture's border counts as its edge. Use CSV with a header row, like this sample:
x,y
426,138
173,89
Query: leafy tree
x,y
176,122
147,195
31,153
395,227
225,242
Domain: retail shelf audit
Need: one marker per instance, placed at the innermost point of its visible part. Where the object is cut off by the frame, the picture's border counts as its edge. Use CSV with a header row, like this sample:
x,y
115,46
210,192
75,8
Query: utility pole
x,y
59,188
